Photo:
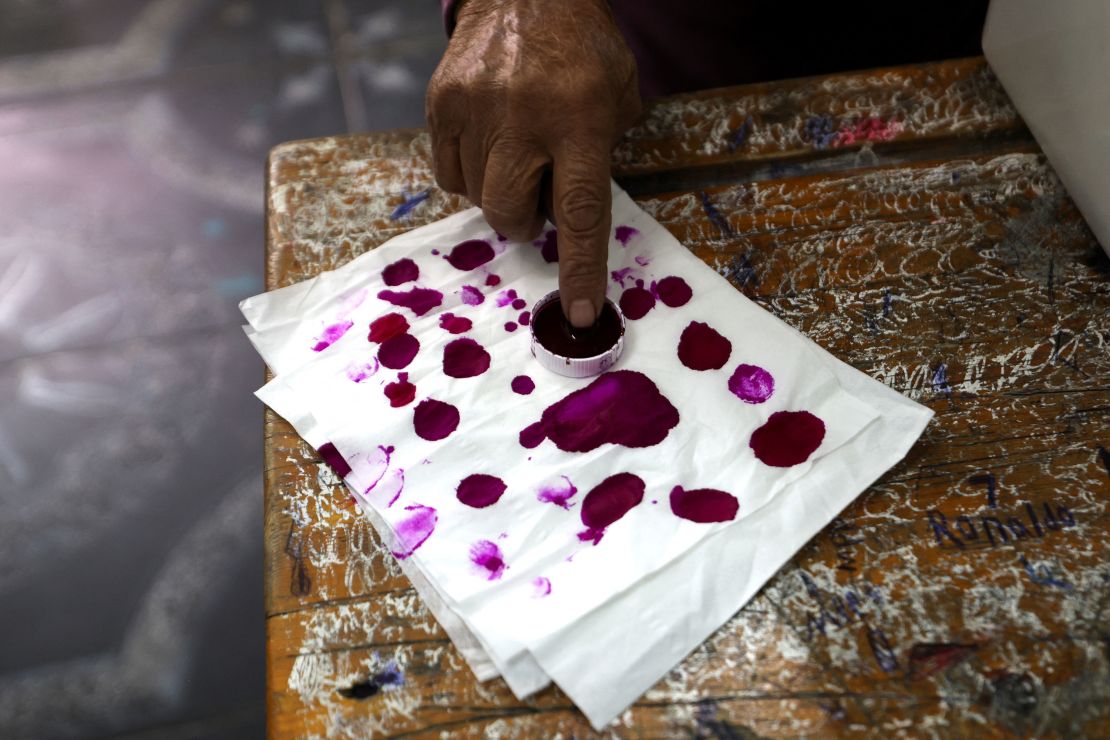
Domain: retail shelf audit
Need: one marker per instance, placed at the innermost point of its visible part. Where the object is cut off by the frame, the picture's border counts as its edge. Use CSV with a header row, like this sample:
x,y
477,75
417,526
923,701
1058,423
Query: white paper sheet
x,y
623,611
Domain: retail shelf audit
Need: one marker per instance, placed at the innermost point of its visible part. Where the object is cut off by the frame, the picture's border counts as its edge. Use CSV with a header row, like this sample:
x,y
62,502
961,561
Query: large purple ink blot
x,y
331,334
636,302
435,420
788,438
559,494
704,505
464,358
470,254
487,557
471,296
751,383
702,348
624,234
412,531
400,393
549,246
480,490
418,300
387,327
523,385
673,291
607,502
622,408
453,324
331,456
402,271
397,353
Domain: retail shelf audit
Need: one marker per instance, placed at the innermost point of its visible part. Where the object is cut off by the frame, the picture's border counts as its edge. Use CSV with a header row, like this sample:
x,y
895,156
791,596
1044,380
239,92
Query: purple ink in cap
x,y
573,352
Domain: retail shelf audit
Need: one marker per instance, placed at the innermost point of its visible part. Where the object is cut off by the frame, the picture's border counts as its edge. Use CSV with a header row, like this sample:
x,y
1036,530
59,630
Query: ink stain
x,y
751,383
487,557
360,371
470,254
407,206
703,505
541,586
505,297
523,385
413,530
402,271
555,333
549,246
400,393
435,420
607,502
787,438
471,296
418,300
619,276
331,334
386,678
396,353
493,280
636,302
387,327
371,467
559,494
337,462
387,490
453,324
702,348
479,490
622,408
510,326
519,304
464,358
673,291
525,318
624,234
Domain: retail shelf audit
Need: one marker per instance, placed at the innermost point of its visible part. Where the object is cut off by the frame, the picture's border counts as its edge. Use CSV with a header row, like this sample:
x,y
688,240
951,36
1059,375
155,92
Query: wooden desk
x,y
906,220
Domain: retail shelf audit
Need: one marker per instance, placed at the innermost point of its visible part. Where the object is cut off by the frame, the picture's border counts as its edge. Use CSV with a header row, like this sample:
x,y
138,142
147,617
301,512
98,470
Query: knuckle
x,y
582,209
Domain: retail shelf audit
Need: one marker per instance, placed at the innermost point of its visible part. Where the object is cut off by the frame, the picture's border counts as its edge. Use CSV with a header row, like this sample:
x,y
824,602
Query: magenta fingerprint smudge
x,y
360,371
703,505
402,271
480,490
470,254
624,234
787,438
386,327
401,392
488,559
435,420
636,302
413,530
608,502
751,383
559,494
453,324
701,347
418,300
541,586
331,334
622,408
471,296
397,352
464,358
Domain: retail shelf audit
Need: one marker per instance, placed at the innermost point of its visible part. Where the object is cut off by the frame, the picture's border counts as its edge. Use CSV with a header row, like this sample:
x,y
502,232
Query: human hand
x,y
524,110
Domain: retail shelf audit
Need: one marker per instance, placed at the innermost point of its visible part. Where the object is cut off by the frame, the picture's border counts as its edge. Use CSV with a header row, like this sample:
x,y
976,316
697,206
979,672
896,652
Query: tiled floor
x,y
132,140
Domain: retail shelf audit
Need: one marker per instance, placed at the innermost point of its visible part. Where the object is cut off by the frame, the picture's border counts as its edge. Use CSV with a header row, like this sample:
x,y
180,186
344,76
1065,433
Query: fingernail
x,y
582,313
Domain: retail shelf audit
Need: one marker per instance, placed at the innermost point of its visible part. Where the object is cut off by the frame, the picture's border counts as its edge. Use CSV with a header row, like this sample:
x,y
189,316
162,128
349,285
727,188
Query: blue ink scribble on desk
x,y
740,135
714,215
1042,575
940,380
407,206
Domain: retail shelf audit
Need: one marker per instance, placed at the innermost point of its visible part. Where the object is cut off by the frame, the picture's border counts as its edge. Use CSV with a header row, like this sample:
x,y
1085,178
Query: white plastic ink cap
x,y
558,359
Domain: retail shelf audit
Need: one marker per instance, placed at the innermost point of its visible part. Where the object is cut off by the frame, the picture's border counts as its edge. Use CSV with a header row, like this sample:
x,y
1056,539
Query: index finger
x,y
582,205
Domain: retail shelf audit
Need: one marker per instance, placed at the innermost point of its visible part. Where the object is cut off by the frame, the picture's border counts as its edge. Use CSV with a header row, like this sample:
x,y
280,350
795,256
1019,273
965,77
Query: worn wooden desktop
x,y
905,220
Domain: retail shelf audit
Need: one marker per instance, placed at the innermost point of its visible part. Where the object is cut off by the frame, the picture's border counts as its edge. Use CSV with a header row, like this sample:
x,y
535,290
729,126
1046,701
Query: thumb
x,y
582,205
